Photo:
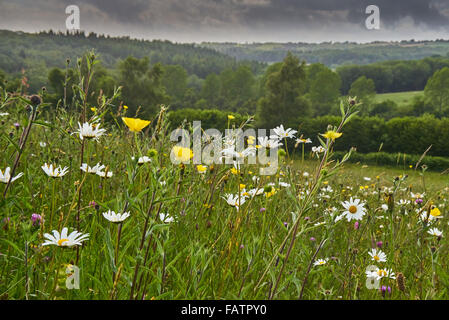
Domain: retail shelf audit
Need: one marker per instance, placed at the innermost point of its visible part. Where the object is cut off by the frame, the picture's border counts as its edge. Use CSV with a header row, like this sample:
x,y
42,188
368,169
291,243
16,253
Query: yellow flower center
x,y
376,258
352,209
61,241
381,273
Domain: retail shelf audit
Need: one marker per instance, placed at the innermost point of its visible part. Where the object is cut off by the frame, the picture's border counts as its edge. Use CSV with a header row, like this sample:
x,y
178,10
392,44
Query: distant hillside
x,y
334,54
38,52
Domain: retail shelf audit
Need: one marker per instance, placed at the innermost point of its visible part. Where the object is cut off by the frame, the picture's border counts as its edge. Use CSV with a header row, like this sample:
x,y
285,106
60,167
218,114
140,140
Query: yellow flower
x,y
135,124
125,107
271,193
332,135
231,117
242,186
93,109
435,212
201,168
182,154
251,140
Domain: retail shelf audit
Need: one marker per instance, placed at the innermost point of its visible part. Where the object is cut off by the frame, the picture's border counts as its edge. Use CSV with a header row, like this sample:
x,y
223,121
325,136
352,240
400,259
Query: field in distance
x,y
400,98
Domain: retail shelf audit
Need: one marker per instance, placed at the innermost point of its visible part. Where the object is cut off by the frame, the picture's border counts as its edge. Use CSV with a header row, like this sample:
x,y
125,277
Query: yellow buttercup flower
x,y
435,212
231,117
201,168
135,124
125,107
332,135
182,154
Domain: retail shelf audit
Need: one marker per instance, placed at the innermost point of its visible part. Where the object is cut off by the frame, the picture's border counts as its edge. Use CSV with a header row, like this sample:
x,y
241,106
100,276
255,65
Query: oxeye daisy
x,y
303,140
234,201
320,262
435,232
115,217
94,170
282,133
354,209
105,174
380,273
5,176
269,143
378,255
90,131
64,240
53,171
142,160
166,218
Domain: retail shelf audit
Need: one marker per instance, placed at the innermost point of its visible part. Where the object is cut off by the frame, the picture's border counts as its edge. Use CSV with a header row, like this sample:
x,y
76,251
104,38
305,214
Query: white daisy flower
x,y
320,262
354,209
105,174
64,240
42,144
115,217
282,133
90,131
142,160
269,143
318,149
166,218
380,273
303,140
234,200
94,170
284,184
5,176
403,202
367,179
255,192
435,232
53,171
378,255
4,114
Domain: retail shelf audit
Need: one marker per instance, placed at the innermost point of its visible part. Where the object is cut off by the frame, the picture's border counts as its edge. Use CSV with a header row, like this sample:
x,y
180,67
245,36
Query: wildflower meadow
x,y
101,203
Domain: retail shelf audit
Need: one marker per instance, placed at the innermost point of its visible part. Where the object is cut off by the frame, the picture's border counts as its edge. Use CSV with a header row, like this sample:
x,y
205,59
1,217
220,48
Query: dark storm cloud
x,y
120,10
427,12
236,20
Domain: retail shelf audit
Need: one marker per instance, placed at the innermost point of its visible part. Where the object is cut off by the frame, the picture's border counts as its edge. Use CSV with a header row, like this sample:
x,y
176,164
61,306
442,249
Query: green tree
x,y
211,89
437,89
324,91
142,85
364,89
284,102
175,82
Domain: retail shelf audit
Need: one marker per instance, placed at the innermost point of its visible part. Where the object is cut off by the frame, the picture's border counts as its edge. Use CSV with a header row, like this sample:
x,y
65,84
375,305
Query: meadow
x,y
400,98
94,193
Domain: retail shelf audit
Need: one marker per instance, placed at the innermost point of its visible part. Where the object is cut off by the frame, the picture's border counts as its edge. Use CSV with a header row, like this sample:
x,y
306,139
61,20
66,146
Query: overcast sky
x,y
236,20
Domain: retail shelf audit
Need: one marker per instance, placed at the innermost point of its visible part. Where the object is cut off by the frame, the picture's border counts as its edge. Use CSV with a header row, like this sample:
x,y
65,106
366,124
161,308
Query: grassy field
x,y
116,217
356,172
401,98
